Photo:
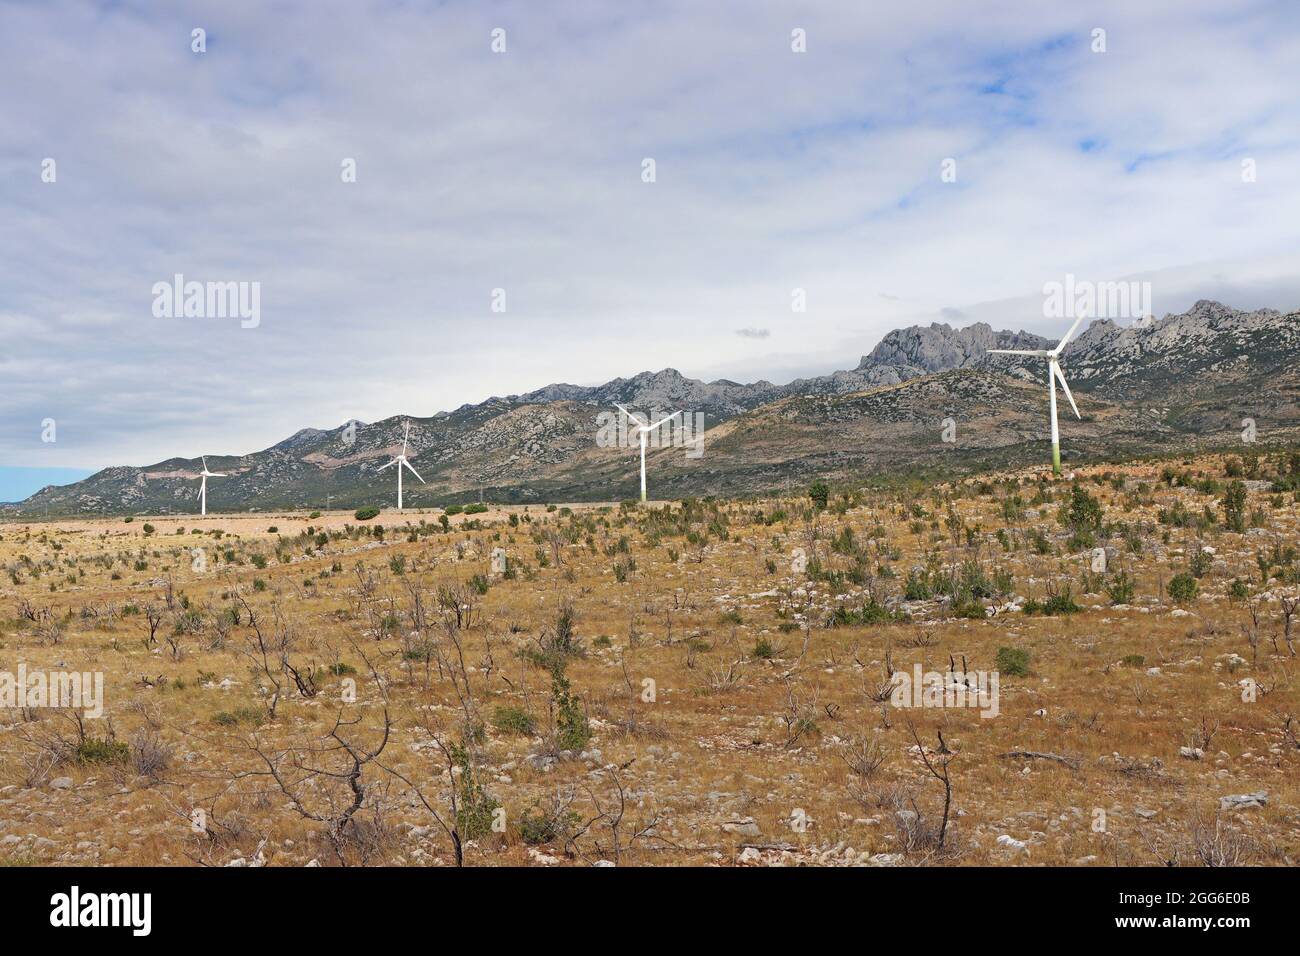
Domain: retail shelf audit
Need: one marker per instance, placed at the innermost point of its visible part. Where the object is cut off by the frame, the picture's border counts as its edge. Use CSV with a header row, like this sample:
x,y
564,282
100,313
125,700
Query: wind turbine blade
x,y
389,465
205,462
411,468
1060,377
662,420
405,435
216,474
1060,346
1038,352
634,417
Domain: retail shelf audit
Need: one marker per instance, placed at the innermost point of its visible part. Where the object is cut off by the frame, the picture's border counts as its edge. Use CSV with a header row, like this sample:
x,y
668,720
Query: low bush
x,y
1012,661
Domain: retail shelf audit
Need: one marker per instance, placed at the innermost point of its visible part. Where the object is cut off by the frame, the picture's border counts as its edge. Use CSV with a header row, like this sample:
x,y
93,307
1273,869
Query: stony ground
x,y
700,683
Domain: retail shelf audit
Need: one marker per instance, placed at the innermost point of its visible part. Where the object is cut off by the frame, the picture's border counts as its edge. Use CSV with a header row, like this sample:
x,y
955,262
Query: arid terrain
x,y
699,682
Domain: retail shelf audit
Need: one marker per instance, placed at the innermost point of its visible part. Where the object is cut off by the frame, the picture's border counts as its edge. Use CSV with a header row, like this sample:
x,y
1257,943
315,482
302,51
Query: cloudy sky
x,y
522,171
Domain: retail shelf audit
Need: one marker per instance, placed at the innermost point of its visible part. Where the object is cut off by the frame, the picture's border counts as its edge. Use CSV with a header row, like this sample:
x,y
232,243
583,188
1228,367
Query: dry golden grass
x,y
740,756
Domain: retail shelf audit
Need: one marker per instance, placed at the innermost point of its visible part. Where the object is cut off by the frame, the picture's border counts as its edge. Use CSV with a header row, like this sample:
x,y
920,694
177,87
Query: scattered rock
x,y
746,826
1244,801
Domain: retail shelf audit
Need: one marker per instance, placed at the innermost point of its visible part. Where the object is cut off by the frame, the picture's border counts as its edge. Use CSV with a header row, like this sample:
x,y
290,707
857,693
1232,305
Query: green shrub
x,y
420,653
1200,562
536,826
240,715
1082,515
514,720
1120,588
1012,661
97,750
917,587
868,614
1234,507
972,610
1182,587
763,648
820,494
1062,603
1056,604
572,729
476,809
365,514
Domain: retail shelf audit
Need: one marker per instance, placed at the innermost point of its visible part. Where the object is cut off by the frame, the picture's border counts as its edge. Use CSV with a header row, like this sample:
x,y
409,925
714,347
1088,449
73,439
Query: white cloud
x,y
521,171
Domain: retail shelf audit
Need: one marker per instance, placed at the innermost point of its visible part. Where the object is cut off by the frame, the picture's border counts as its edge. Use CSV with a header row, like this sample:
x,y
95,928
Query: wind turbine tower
x,y
401,462
1054,375
643,430
203,486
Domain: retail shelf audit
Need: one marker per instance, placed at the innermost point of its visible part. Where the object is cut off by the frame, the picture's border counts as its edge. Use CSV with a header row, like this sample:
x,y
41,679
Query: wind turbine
x,y
399,461
203,486
643,429
1054,375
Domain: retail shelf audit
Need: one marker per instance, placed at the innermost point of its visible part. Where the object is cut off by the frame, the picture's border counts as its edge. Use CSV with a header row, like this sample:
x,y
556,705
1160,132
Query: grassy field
x,y
697,683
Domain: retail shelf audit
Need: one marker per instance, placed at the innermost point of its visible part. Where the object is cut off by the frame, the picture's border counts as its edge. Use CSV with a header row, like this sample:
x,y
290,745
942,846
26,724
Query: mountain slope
x,y
1180,382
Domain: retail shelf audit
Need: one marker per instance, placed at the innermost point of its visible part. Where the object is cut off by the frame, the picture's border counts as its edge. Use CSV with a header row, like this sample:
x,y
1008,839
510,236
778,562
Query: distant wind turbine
x,y
203,486
1054,375
401,461
643,430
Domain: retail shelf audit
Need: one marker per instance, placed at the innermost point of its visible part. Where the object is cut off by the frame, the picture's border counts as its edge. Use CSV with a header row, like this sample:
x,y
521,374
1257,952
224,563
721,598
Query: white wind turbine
x,y
1054,375
643,430
203,486
401,461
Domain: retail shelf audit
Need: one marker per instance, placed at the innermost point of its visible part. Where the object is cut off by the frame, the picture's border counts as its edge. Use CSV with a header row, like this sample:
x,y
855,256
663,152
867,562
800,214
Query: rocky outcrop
x,y
920,350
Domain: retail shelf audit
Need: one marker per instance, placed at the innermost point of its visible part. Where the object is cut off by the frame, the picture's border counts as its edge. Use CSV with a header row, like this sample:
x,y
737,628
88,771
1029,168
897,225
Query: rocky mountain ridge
x,y
1156,385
